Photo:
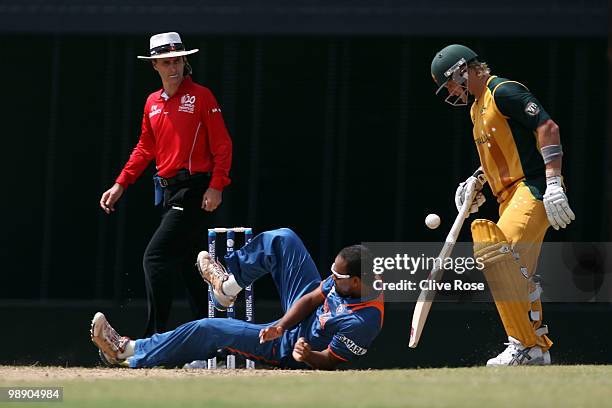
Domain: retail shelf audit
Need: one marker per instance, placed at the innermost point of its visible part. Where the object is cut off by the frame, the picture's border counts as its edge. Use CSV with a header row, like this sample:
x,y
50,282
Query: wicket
x,y
248,291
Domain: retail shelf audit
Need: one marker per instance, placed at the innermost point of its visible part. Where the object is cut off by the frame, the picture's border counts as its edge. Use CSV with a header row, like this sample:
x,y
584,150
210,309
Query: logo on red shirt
x,y
154,111
187,103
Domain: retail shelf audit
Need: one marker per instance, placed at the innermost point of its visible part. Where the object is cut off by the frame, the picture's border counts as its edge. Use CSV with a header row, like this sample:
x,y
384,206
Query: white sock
x,y
231,287
129,350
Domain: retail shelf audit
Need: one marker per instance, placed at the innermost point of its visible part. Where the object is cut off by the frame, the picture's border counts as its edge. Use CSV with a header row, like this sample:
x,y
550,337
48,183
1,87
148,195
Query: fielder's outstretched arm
x,y
301,309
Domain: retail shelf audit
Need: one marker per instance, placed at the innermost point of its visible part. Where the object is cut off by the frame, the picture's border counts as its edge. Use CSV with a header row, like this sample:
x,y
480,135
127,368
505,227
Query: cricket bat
x,y
423,304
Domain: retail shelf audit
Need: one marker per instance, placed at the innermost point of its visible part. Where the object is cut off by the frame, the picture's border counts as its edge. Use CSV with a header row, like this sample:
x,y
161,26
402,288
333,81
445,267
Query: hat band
x,y
164,49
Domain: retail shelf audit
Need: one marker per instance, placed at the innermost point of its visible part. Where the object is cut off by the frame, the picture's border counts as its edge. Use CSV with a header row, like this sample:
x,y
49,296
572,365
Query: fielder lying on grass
x,y
325,322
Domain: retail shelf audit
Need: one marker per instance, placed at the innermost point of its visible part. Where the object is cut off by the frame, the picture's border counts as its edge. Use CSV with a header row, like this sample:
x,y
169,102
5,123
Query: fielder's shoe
x,y
196,364
108,341
106,361
517,354
215,274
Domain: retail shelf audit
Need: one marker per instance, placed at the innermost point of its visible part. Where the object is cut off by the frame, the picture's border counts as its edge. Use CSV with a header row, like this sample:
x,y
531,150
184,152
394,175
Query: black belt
x,y
182,175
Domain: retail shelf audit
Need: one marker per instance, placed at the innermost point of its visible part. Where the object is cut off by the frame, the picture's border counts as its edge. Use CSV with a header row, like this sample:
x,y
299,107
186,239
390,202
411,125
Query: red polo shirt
x,y
185,131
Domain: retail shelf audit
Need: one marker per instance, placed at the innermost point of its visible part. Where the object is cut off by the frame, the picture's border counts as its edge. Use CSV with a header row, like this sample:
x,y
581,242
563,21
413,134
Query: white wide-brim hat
x,y
167,45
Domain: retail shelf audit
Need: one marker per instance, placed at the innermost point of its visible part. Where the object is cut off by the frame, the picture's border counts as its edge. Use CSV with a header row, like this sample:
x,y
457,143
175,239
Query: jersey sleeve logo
x,y
341,308
353,348
323,319
532,109
154,111
187,103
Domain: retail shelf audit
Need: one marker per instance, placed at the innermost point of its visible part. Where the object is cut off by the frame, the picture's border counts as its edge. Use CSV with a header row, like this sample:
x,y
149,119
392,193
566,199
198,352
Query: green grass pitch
x,y
554,386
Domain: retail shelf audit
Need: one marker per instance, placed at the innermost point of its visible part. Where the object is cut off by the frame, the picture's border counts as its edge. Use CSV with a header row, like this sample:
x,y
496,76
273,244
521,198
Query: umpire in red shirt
x,y
184,132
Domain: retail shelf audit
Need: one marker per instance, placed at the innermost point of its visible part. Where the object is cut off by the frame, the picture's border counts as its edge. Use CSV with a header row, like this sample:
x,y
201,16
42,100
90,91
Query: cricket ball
x,y
432,221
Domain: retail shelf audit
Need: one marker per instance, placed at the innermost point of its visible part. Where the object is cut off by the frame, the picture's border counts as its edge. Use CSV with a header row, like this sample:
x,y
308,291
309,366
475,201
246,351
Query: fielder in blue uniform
x,y
324,324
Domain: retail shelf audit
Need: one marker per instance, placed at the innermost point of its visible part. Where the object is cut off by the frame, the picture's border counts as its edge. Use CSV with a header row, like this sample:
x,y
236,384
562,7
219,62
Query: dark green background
x,y
337,134
341,139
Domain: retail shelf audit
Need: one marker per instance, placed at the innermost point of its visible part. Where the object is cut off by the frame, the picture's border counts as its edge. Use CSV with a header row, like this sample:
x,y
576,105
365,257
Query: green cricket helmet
x,y
451,63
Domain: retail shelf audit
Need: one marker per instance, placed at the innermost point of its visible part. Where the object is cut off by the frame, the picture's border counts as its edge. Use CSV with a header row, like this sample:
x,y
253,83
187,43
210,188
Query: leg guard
x,y
535,314
509,287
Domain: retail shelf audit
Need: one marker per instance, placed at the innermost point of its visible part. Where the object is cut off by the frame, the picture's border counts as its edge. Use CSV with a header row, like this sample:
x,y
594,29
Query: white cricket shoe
x,y
109,342
517,354
215,274
196,364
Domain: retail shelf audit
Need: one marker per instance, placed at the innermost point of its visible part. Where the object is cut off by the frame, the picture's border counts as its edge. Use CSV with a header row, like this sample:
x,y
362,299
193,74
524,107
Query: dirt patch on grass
x,y
12,374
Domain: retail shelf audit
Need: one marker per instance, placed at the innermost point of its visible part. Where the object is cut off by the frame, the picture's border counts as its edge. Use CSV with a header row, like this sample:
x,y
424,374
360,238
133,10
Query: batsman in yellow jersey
x,y
520,154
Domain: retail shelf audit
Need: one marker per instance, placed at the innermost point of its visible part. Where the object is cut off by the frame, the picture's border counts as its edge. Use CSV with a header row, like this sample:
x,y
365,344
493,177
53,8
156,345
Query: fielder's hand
x,y
110,197
270,333
556,204
462,192
301,350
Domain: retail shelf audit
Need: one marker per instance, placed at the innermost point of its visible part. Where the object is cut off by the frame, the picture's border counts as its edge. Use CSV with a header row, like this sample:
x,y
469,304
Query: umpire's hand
x,y
211,199
110,197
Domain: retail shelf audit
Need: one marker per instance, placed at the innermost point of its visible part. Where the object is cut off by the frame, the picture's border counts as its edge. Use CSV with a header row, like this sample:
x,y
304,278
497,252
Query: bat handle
x,y
480,176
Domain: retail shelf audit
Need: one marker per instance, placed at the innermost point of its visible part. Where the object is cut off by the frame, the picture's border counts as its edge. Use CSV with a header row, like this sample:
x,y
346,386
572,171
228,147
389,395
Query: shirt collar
x,y
185,84
477,100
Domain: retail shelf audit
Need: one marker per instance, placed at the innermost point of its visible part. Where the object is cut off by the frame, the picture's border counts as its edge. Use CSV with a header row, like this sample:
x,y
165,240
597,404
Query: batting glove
x,y
556,204
462,191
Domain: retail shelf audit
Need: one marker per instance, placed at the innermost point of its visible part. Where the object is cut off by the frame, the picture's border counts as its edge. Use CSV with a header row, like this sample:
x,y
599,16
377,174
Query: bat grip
x,y
480,176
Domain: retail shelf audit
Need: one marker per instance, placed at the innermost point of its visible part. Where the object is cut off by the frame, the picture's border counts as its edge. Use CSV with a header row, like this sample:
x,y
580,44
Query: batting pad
x,y
509,287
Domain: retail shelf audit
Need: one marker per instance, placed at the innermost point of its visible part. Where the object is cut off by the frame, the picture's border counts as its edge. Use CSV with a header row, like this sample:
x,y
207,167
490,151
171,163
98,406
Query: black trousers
x,y
172,250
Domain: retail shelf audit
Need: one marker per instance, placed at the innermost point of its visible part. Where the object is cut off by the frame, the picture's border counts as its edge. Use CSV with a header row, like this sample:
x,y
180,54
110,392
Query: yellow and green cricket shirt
x,y
505,119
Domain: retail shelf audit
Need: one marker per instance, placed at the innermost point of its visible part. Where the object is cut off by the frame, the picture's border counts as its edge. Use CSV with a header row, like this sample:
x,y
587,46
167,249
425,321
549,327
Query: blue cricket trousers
x,y
280,253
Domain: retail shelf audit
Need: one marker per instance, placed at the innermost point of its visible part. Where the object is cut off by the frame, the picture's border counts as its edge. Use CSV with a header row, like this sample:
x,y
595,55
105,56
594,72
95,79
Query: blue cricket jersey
x,y
345,326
